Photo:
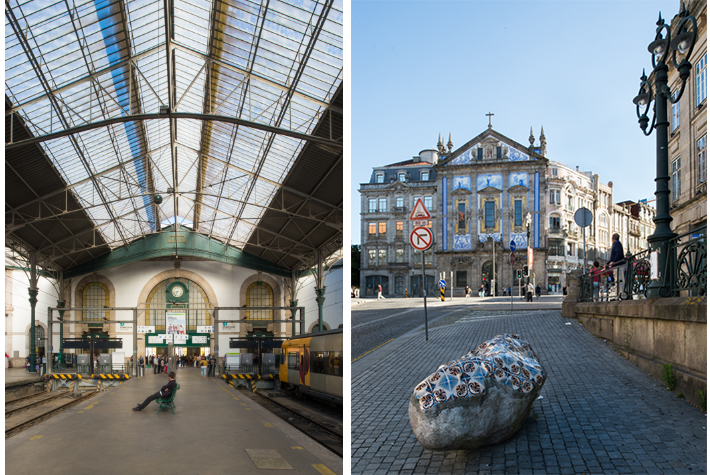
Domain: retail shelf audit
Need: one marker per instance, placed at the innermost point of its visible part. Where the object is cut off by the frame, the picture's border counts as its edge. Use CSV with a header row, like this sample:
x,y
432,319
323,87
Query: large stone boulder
x,y
481,399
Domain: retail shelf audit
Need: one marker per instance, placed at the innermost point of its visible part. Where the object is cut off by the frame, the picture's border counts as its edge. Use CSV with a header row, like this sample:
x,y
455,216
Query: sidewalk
x,y
598,413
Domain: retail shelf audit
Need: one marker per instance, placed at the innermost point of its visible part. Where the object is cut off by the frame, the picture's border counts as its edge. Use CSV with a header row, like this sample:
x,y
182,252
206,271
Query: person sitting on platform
x,y
165,391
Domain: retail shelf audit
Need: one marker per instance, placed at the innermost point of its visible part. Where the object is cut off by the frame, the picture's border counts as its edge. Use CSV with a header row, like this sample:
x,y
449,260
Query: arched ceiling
x,y
231,111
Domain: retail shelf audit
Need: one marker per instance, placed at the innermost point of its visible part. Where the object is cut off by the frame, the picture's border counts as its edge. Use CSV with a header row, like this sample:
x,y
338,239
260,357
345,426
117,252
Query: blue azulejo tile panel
x,y
462,242
518,179
520,239
515,155
507,359
462,183
484,237
494,180
463,159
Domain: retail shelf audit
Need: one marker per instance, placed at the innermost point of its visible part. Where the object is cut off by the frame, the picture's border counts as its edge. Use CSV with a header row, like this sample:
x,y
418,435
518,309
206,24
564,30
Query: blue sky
x,y
423,68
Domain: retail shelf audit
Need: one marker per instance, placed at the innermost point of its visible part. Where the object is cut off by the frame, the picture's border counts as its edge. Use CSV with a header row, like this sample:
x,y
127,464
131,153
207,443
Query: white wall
x,y
333,304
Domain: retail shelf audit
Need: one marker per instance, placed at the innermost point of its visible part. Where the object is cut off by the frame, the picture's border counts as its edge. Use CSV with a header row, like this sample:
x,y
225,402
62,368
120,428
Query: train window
x,y
319,362
335,359
293,361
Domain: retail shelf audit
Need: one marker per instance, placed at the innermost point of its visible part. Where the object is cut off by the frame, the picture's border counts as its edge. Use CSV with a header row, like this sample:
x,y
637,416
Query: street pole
x,y
426,320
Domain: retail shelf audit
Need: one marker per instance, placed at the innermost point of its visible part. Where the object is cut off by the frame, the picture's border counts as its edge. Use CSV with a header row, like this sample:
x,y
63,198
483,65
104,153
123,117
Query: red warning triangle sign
x,y
419,211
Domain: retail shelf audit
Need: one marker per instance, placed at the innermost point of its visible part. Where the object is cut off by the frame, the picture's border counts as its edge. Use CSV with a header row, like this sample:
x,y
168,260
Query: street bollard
x,y
405,293
442,293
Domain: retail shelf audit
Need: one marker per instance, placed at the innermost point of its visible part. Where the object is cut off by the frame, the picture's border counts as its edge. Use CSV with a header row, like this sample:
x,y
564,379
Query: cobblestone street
x,y
598,413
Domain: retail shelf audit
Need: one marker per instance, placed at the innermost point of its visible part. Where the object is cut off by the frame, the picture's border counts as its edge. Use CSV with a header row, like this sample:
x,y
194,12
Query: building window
x,y
372,230
430,224
461,278
602,219
260,294
480,154
675,179
554,171
425,176
399,255
555,222
372,256
372,205
402,176
570,249
400,229
96,296
702,159
428,202
675,112
399,284
701,83
461,222
499,152
382,257
400,202
518,212
382,208
382,229
428,255
380,178
490,214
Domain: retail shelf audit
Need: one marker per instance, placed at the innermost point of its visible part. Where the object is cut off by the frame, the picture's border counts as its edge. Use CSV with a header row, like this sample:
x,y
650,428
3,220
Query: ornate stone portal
x,y
483,398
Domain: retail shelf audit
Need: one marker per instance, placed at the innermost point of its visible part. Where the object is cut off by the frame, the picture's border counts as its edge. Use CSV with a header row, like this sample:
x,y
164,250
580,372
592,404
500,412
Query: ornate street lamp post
x,y
661,49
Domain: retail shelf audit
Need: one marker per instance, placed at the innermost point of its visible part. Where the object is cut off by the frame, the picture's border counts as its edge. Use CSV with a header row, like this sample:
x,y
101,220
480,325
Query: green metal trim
x,y
195,245
41,273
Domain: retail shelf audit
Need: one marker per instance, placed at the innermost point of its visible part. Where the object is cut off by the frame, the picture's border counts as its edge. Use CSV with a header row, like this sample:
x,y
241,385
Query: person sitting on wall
x,y
165,391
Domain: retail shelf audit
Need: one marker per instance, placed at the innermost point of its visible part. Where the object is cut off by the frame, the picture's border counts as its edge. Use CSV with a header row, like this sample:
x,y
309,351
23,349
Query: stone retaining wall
x,y
652,332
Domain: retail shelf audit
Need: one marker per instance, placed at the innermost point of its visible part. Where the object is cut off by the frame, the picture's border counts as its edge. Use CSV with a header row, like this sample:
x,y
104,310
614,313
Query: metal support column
x,y
49,340
135,342
60,303
33,302
215,322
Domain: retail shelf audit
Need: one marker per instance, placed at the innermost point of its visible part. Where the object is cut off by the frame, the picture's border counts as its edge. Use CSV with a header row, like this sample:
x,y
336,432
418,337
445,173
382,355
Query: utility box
x,y
247,358
68,361
83,363
104,363
269,359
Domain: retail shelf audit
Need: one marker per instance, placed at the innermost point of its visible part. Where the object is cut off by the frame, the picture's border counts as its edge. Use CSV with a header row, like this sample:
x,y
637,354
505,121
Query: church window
x,y
461,221
372,205
425,176
428,202
499,152
480,154
490,214
382,205
518,212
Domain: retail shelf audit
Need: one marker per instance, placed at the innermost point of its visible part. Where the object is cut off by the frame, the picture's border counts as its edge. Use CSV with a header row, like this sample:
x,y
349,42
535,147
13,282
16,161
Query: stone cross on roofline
x,y
489,119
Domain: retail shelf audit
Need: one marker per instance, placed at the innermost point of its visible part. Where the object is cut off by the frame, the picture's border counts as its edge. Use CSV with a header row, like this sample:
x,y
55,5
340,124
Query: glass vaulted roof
x,y
240,84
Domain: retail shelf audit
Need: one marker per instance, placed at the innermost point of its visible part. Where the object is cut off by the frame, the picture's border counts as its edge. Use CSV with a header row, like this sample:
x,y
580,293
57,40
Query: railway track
x,y
319,427
37,408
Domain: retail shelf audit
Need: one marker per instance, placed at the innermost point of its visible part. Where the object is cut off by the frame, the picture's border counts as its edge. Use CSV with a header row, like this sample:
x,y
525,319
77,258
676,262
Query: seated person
x,y
164,392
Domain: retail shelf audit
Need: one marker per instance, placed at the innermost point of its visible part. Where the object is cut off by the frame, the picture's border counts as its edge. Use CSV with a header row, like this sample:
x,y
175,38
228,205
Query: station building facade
x,y
133,281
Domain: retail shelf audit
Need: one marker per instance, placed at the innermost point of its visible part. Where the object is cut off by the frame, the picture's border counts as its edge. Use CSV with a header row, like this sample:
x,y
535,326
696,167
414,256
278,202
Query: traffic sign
x,y
419,211
420,222
442,283
583,217
512,245
421,238
512,258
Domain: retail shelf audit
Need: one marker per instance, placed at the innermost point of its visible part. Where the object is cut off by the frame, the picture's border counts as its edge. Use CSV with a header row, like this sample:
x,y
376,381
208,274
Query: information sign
x,y
155,340
146,329
199,339
124,327
512,245
207,329
442,283
421,238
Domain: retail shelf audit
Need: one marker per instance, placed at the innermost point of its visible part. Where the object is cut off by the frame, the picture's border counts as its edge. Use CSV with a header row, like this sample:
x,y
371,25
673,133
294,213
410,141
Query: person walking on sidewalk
x,y
530,290
379,292
538,291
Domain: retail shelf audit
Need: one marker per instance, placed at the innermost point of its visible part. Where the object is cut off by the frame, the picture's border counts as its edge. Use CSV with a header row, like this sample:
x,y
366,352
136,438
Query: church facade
x,y
492,192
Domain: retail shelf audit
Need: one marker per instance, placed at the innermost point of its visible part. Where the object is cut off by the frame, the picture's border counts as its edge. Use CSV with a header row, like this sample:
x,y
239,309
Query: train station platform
x,y
215,429
14,376
597,412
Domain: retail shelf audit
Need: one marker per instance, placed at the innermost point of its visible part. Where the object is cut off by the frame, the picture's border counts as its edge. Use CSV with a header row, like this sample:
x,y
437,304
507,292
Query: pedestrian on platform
x,y
203,368
538,291
165,391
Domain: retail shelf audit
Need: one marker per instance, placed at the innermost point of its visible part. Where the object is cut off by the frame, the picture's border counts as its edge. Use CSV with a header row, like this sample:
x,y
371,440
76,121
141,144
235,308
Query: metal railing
x,y
630,278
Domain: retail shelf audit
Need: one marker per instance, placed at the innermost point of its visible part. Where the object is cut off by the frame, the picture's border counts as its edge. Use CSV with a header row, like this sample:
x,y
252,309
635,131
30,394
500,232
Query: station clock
x,y
177,292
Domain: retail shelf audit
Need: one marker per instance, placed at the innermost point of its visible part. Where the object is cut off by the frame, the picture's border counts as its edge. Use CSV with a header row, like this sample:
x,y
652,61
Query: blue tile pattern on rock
x,y
506,358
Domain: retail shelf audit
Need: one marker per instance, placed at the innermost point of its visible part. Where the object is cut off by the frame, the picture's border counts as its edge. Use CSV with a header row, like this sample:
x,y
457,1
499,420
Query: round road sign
x,y
583,217
442,283
421,238
512,258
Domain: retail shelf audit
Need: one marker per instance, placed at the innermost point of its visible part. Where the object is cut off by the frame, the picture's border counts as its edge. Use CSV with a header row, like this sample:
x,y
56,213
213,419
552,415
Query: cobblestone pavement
x,y
599,413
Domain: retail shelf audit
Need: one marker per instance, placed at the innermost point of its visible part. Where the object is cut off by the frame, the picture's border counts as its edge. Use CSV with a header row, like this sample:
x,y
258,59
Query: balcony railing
x,y
629,278
399,209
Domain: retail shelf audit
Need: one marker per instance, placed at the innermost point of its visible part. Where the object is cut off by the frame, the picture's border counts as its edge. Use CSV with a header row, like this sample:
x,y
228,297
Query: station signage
x,y
124,327
199,339
146,328
206,329
155,340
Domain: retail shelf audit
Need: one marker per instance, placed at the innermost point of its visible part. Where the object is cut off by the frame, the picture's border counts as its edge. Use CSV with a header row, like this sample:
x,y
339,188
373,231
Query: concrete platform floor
x,y
214,430
17,375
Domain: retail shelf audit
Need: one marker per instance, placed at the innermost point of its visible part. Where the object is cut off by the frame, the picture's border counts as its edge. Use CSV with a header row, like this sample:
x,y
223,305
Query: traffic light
x,y
525,271
520,274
